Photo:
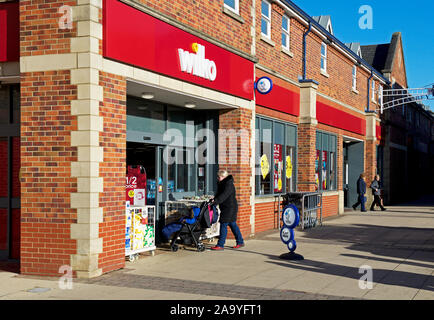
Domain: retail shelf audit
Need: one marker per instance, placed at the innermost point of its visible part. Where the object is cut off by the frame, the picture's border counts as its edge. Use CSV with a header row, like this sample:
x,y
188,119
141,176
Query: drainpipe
x,y
369,87
304,50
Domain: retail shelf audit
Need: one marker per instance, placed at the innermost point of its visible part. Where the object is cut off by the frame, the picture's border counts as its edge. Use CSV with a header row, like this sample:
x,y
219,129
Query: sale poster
x,y
278,168
324,170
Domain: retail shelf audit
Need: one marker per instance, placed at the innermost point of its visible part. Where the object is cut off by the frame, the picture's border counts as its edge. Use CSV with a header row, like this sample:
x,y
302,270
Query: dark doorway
x,y
10,189
353,152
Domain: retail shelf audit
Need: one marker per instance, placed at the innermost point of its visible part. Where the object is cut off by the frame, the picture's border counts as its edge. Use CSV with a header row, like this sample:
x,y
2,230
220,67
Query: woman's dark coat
x,y
226,199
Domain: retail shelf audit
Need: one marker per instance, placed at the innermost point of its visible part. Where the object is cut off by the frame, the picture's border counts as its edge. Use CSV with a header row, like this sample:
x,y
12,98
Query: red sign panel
x,y
328,115
378,132
280,99
136,38
9,32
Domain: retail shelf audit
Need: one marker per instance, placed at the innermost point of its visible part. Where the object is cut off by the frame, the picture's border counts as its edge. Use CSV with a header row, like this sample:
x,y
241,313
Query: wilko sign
x,y
196,63
137,39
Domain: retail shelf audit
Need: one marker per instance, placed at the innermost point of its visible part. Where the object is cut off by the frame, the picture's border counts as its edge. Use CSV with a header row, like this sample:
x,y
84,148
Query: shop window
x,y
232,5
325,162
266,19
285,32
323,57
275,157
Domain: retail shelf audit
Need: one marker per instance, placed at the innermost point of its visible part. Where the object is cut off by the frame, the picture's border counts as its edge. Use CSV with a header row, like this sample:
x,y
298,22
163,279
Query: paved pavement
x,y
398,245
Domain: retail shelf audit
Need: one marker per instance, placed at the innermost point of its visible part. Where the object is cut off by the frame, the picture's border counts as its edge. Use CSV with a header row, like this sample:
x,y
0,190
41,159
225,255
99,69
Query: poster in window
x,y
288,167
265,166
324,170
278,168
317,168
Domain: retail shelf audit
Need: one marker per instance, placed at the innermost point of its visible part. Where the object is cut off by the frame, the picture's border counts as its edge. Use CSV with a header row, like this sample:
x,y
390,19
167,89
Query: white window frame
x,y
236,9
267,19
324,57
373,90
380,95
287,33
354,77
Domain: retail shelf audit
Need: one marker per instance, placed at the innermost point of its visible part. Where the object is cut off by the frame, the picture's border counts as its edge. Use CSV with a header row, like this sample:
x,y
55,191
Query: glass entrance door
x,y
10,213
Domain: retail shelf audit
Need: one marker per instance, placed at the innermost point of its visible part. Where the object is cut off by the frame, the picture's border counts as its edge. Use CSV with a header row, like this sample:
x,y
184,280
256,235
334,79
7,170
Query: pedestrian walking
x,y
361,190
226,199
375,186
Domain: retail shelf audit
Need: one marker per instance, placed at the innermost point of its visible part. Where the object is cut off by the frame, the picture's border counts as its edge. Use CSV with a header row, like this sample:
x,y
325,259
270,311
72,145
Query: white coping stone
x,y
117,68
90,92
90,184
84,231
85,44
85,12
85,76
90,215
48,62
85,138
84,262
85,107
145,76
84,169
95,3
90,122
89,28
84,200
90,60
89,246
90,154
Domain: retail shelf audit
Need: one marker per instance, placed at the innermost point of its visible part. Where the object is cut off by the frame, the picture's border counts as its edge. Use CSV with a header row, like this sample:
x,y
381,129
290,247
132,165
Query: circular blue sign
x,y
286,235
264,85
291,216
292,245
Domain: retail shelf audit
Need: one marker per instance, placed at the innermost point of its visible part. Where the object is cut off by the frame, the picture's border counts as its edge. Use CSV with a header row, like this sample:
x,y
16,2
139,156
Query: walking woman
x,y
375,186
226,199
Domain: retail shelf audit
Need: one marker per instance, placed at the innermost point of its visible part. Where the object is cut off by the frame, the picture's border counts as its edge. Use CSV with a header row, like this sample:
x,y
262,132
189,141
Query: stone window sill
x,y
325,74
267,40
355,91
232,14
286,51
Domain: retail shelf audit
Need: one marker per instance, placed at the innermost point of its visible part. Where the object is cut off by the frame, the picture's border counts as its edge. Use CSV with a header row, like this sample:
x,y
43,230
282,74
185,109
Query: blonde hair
x,y
222,173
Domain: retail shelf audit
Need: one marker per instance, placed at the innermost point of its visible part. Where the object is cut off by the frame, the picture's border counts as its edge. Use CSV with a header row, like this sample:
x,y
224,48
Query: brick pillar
x,y
370,153
307,137
46,149
61,96
234,155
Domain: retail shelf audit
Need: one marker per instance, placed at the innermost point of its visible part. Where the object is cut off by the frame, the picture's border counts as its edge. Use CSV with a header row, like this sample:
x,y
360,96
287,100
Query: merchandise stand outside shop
x,y
140,230
175,210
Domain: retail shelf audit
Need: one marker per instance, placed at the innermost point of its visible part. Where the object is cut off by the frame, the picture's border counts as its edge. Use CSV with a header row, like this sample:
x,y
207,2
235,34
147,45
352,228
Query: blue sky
x,y
414,19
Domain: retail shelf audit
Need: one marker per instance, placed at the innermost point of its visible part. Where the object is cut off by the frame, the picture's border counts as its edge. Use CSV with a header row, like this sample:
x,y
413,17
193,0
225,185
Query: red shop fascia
x,y
138,39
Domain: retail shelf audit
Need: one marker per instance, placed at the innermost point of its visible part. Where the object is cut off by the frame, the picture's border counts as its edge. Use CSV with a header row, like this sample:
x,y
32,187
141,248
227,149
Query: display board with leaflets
x,y
139,218
140,230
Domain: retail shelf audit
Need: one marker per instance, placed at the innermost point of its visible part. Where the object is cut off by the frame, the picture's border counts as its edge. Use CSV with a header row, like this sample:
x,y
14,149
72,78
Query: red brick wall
x,y
46,156
39,28
266,216
112,200
207,17
306,157
330,206
238,119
